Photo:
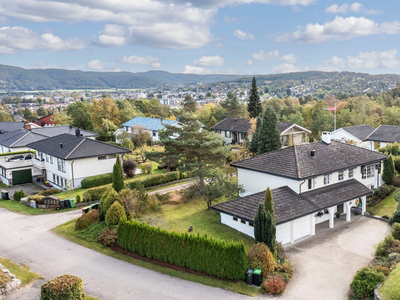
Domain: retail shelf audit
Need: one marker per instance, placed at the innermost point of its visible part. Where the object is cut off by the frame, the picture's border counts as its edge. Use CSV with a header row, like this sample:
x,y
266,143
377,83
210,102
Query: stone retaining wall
x,y
377,296
12,285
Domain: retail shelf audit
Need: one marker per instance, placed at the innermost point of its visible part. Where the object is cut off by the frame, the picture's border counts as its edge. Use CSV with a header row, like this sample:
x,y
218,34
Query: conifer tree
x,y
255,140
117,177
388,170
269,136
259,223
232,106
189,105
254,107
268,203
269,232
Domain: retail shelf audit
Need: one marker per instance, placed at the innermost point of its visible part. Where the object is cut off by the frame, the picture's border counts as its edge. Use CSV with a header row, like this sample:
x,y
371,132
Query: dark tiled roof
x,y
75,147
10,126
232,124
360,131
289,205
337,193
51,131
385,133
284,126
296,161
19,138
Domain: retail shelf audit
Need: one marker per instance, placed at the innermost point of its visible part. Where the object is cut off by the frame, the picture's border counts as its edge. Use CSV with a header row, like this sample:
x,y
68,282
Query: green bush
x,y
365,281
78,199
63,288
108,237
87,219
396,231
147,168
383,247
49,192
92,232
97,180
93,194
384,270
261,258
383,191
38,198
152,180
108,198
200,253
115,213
18,195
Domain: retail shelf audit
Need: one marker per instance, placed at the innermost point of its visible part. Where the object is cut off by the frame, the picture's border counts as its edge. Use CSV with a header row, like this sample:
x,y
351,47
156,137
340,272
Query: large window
x,y
340,175
327,178
61,165
368,172
351,173
227,134
311,183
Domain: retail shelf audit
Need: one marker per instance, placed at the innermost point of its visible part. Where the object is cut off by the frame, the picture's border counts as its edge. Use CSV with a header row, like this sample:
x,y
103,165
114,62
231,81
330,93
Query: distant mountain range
x,y
19,79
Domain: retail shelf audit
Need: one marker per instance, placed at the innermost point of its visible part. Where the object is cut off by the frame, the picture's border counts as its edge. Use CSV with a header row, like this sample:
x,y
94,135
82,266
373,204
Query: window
x,y
54,178
102,157
51,159
242,221
61,165
327,178
368,172
58,180
47,158
251,224
154,133
351,173
235,219
311,183
340,175
227,134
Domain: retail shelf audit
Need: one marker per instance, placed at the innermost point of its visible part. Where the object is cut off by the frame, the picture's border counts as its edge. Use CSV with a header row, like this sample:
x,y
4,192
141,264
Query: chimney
x,y
312,152
77,132
326,137
61,145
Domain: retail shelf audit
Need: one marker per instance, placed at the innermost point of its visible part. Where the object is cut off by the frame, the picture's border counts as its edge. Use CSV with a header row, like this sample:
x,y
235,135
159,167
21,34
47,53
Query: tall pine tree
x,y
255,139
117,177
259,223
270,137
268,202
270,221
388,170
254,107
189,105
232,106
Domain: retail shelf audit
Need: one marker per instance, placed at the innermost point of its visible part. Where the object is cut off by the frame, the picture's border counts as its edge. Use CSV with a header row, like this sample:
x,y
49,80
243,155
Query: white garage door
x,y
302,227
283,233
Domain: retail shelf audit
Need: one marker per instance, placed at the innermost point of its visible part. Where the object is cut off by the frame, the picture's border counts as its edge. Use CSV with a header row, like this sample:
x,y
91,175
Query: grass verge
x,y
22,272
67,230
386,207
19,208
390,289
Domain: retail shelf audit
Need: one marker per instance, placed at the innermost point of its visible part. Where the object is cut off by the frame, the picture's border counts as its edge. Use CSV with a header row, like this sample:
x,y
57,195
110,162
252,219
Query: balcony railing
x,y
38,163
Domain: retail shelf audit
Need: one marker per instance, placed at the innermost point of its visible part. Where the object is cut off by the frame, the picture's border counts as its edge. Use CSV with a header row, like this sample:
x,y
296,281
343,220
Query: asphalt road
x,y
27,239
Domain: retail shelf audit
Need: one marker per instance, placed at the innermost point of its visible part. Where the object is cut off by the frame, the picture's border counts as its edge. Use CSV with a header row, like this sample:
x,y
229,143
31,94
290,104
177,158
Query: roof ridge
x,y
19,138
372,132
72,151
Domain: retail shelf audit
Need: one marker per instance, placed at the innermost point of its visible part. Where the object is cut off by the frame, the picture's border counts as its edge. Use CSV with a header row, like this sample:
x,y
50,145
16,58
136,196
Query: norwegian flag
x,y
333,108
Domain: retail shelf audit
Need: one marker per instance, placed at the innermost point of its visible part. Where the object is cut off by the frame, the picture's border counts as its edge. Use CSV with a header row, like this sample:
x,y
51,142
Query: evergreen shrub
x,y
93,194
396,231
96,180
62,288
108,237
87,219
115,213
365,281
224,259
152,180
147,168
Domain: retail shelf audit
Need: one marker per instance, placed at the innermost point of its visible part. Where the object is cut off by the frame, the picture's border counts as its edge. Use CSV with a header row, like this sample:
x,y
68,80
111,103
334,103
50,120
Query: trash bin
x,y
94,206
86,209
62,204
257,277
67,203
5,195
72,202
249,276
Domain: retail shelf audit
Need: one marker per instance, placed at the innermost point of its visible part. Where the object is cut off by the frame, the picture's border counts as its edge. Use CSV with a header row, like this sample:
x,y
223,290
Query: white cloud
x,y
250,62
14,39
285,68
356,7
364,60
195,70
228,20
215,61
341,29
336,9
264,56
243,35
153,62
346,8
94,65
290,58
112,36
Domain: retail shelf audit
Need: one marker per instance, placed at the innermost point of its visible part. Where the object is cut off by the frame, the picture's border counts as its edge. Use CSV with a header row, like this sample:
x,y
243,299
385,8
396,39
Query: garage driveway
x,y
326,263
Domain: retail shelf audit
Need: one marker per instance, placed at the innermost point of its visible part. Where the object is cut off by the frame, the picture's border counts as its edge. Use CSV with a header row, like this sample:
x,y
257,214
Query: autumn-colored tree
x,y
104,109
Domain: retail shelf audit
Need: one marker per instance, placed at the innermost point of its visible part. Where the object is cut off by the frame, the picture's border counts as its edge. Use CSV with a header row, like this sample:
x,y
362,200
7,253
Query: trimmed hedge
x,y
199,253
153,180
93,194
62,288
97,180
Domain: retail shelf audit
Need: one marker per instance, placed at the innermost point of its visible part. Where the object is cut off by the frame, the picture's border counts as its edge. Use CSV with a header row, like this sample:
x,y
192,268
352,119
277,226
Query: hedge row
x,y
199,253
96,180
152,180
93,194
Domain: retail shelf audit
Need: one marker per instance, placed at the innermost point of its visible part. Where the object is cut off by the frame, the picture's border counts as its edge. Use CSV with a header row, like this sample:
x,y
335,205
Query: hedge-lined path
x,y
27,239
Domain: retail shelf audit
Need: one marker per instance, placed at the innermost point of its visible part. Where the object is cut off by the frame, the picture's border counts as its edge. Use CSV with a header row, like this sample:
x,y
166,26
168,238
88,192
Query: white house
x,y
356,134
236,131
384,135
68,158
310,183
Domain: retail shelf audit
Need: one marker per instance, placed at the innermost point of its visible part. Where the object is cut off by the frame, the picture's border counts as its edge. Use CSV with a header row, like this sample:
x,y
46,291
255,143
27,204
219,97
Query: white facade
x,y
342,135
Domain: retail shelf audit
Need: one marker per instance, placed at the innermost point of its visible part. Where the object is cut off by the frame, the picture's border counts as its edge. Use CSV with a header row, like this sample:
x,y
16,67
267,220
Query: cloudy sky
x,y
202,36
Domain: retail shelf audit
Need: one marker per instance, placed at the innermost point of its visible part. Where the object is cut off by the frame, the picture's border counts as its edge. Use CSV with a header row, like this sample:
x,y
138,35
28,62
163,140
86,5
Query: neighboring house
x,y
309,182
236,131
68,158
10,126
383,135
45,121
153,125
356,134
68,129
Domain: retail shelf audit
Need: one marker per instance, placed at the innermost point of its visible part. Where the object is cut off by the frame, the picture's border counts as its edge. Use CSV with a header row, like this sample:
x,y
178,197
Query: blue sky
x,y
202,37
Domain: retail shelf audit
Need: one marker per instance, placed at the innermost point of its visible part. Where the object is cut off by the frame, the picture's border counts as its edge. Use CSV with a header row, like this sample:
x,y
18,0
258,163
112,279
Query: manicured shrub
x,y
117,176
388,170
383,247
115,213
274,284
62,288
97,180
49,192
365,281
93,194
108,198
152,180
200,253
384,270
108,237
396,231
129,167
260,257
18,195
78,199
87,219
396,215
147,168
383,191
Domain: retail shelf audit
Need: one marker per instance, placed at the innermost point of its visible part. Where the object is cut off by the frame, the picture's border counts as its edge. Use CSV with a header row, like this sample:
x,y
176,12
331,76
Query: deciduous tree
x,y
104,108
80,114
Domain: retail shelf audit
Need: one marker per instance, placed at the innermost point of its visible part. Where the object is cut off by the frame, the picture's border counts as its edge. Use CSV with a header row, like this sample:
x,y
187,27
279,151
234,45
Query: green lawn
x,y
178,217
67,230
22,272
386,207
390,289
3,185
19,208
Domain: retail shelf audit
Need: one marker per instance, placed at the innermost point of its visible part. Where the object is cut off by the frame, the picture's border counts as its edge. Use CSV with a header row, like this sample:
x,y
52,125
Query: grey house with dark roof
x,y
354,134
236,131
310,184
384,135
